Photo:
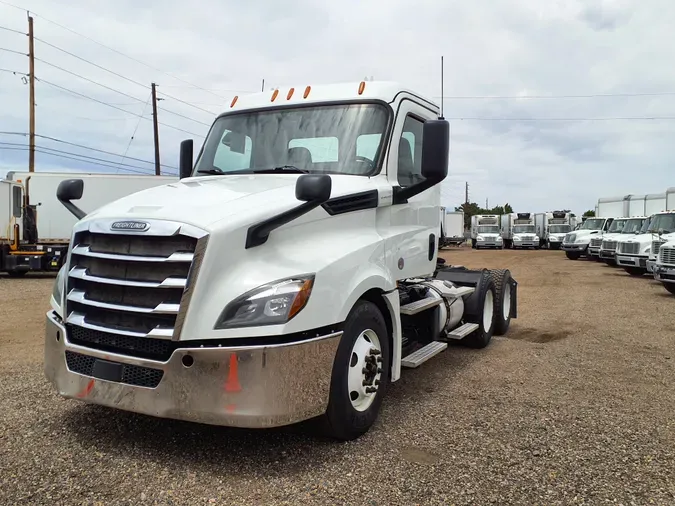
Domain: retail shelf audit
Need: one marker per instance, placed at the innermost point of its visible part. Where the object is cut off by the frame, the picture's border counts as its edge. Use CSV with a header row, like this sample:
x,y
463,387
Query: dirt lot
x,y
574,406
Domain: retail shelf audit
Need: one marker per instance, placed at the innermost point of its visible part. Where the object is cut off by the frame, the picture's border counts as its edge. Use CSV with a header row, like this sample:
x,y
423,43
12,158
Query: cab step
x,y
423,354
420,305
462,331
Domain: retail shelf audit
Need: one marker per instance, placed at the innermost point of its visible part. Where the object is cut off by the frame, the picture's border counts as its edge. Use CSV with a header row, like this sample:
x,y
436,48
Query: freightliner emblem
x,y
138,226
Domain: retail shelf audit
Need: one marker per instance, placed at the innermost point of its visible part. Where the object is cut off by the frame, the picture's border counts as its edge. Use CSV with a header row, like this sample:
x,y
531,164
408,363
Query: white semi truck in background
x,y
664,232
452,228
630,227
551,227
486,232
595,244
35,228
518,231
271,285
575,244
633,254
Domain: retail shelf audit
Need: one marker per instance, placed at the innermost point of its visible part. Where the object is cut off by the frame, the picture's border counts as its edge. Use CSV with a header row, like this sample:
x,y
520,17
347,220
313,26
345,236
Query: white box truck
x,y
273,283
617,207
486,232
633,254
35,228
576,243
655,203
452,228
519,231
629,227
637,205
551,227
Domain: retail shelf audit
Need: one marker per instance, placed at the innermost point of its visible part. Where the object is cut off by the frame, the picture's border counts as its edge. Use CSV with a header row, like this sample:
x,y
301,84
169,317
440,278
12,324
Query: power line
x,y
13,72
593,95
114,107
12,51
185,117
85,147
186,103
633,118
12,30
136,129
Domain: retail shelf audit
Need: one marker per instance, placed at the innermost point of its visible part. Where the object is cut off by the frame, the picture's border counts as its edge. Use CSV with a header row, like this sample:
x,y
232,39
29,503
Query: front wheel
x,y
670,287
635,271
360,374
572,255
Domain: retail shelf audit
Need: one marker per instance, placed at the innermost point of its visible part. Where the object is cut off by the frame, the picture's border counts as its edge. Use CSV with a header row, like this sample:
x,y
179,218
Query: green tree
x,y
589,214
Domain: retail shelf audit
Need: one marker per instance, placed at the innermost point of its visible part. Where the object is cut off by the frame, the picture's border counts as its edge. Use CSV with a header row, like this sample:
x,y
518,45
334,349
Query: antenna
x,y
441,116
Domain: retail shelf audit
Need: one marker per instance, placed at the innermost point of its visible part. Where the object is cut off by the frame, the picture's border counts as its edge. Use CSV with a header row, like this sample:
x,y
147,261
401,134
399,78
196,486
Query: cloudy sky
x,y
552,103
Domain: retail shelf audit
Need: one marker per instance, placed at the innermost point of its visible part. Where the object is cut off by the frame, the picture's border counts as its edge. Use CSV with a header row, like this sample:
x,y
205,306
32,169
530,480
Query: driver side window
x,y
233,152
410,152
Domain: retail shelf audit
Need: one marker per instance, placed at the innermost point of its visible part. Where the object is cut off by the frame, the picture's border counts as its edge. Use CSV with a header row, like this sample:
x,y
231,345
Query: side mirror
x,y
186,155
71,189
435,149
314,188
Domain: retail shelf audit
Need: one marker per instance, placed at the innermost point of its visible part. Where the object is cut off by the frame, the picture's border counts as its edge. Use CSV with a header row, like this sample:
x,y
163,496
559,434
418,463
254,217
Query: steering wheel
x,y
363,159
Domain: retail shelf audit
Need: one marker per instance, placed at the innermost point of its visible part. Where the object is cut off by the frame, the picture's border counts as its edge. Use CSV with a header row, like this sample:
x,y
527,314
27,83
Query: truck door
x,y
412,237
15,213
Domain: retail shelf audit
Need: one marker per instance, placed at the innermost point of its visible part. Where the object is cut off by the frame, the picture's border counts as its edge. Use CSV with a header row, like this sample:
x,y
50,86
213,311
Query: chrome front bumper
x,y
631,261
488,244
580,248
248,386
594,251
664,274
608,254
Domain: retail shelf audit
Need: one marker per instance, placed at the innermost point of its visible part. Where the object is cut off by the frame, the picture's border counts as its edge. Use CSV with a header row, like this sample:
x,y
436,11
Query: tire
x,y
572,255
344,420
481,337
16,274
635,271
670,287
503,302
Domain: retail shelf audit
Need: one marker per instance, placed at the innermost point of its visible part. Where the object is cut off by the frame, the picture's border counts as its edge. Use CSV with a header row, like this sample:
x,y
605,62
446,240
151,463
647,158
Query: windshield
x,y
616,226
593,224
559,229
633,226
523,229
645,226
488,229
344,139
664,223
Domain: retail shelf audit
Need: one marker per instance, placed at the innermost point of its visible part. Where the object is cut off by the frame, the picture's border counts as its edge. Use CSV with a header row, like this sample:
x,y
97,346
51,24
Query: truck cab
x,y
519,231
633,254
575,244
596,241
289,275
663,268
486,232
631,227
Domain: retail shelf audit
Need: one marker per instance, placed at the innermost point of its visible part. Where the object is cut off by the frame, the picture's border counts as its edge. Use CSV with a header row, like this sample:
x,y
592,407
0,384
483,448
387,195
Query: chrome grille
x,y
656,245
609,245
596,242
629,248
528,237
570,238
667,255
132,284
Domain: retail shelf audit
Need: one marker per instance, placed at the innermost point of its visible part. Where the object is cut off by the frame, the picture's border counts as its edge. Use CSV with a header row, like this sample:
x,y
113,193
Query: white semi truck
x,y
633,254
486,232
519,231
575,244
551,227
595,244
664,266
452,228
631,227
663,236
35,228
277,281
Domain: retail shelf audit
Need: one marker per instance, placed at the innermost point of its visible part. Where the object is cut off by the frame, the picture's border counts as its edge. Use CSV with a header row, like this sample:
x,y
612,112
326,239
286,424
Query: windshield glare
x,y
559,229
337,139
663,223
593,224
488,229
616,226
523,229
632,226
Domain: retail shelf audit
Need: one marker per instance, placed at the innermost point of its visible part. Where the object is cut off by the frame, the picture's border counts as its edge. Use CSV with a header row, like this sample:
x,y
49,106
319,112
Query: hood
x,y
205,201
640,239
584,233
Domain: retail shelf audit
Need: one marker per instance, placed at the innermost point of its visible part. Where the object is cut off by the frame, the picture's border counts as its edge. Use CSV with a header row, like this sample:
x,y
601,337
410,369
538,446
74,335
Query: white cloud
x,y
492,47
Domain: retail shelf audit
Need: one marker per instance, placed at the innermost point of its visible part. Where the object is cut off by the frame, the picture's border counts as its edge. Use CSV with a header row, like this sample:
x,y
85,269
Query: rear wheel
x,y
484,314
572,255
502,313
360,374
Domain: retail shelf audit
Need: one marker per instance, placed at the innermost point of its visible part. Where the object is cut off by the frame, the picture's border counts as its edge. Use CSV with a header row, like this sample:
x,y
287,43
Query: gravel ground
x,y
574,406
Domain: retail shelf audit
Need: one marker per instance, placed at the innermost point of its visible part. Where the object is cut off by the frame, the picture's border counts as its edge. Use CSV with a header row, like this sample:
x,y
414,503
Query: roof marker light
x,y
274,95
307,90
234,100
290,93
362,87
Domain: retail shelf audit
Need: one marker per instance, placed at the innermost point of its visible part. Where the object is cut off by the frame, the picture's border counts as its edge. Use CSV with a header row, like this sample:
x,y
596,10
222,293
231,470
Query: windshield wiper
x,y
214,170
282,168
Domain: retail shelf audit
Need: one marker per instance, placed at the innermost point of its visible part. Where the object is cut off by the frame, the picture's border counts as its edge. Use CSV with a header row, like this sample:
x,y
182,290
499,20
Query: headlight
x,y
648,250
536,238
57,291
516,238
480,238
583,240
499,239
271,304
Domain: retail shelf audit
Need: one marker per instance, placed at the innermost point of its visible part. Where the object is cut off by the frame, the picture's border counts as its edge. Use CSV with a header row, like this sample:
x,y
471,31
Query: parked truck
x,y
664,234
633,254
452,228
575,244
271,285
518,231
35,228
486,232
551,227
596,241
631,227
664,266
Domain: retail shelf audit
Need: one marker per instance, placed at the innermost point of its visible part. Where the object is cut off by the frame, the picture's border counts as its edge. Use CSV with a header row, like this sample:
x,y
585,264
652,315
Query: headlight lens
x,y
517,239
271,304
536,238
499,239
57,290
480,238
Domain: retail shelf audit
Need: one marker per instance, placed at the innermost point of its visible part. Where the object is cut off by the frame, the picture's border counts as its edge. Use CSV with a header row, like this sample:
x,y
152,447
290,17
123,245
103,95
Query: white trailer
x,y
35,227
271,285
637,205
486,232
617,207
452,228
670,199
655,203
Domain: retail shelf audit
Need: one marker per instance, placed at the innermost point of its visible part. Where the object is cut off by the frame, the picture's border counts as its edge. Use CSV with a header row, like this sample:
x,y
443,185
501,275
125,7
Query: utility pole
x,y
155,127
466,193
486,204
31,99
263,85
